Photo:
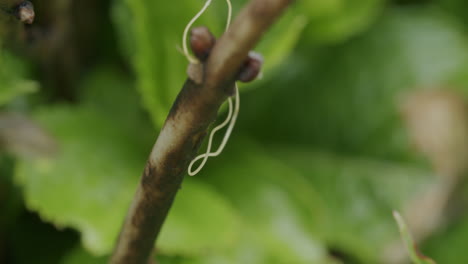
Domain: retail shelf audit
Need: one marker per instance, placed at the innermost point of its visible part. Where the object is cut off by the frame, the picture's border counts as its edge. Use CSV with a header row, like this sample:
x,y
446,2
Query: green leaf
x,y
79,256
16,88
89,184
454,8
411,247
151,35
280,40
359,194
110,91
295,199
337,20
12,78
346,98
200,221
282,209
449,244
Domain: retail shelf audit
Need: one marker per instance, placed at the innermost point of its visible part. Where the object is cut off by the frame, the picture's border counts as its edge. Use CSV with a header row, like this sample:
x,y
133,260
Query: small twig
x,y
194,109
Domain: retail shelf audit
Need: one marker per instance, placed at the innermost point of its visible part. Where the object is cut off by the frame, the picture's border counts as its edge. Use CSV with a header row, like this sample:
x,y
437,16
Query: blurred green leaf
x,y
346,98
337,20
359,194
90,183
88,186
79,256
282,209
449,244
343,202
411,246
151,35
338,94
455,8
109,91
280,40
200,221
16,88
12,78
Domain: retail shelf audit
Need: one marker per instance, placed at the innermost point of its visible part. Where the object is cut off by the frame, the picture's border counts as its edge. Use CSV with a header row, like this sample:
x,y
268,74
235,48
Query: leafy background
x,y
319,158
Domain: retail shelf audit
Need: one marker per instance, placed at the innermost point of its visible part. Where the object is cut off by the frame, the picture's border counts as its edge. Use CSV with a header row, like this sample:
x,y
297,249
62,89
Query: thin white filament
x,y
190,58
231,124
231,119
185,51
232,113
229,16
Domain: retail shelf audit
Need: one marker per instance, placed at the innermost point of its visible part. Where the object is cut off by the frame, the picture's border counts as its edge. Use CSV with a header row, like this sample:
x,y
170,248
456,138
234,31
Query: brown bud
x,y
25,12
201,41
251,67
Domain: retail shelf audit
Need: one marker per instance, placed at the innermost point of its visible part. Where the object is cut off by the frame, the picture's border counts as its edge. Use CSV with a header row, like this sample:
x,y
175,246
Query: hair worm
x,y
231,120
202,42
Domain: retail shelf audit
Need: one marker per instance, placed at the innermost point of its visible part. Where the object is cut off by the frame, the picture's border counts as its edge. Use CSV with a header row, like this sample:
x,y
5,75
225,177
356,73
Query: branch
x,y
194,109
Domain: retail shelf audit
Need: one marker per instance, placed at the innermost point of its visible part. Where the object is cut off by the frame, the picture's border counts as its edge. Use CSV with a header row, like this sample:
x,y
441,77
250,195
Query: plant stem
x,y
195,108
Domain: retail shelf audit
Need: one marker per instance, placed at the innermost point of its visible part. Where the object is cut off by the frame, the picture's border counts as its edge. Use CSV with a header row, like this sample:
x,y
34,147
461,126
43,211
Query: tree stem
x,y
195,108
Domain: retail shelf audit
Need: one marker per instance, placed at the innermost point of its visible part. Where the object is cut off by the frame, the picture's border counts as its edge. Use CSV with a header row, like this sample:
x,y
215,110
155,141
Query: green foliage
x,y
88,158
284,36
352,92
337,20
323,197
159,63
12,78
279,204
90,183
79,256
359,194
318,160
191,231
449,245
455,8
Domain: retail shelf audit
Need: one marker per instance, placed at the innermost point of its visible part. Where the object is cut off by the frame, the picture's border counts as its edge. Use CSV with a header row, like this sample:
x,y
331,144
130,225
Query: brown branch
x,y
194,109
